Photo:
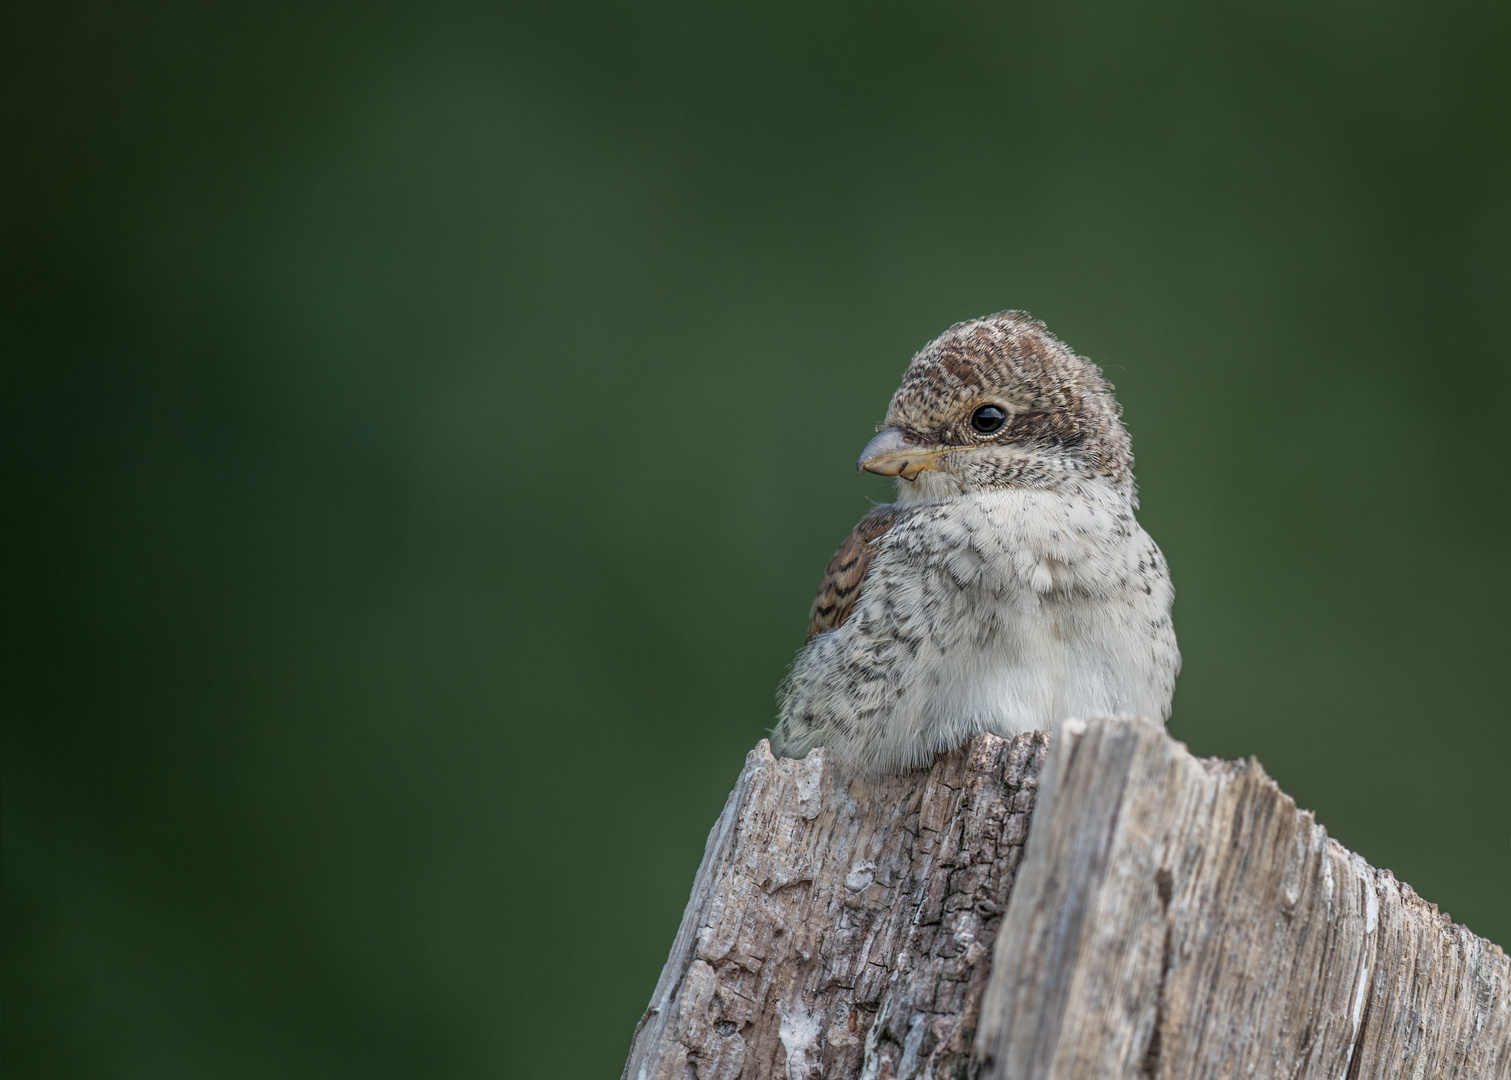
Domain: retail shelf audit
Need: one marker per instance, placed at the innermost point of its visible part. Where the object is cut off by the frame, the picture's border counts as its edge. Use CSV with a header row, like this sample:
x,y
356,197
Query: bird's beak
x,y
891,454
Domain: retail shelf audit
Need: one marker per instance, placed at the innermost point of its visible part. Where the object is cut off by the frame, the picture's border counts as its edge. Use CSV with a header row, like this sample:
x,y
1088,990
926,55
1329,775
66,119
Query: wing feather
x,y
839,588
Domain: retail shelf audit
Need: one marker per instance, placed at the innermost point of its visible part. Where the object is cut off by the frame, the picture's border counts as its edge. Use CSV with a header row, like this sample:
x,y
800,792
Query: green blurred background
x,y
425,425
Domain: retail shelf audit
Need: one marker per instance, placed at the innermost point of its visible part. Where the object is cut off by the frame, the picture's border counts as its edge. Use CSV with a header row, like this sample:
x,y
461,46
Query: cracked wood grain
x,y
1179,917
1166,917
839,928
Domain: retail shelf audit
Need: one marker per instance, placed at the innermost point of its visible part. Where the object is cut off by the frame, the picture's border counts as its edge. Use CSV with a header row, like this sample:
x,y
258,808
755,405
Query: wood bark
x,y
1166,916
839,928
1180,917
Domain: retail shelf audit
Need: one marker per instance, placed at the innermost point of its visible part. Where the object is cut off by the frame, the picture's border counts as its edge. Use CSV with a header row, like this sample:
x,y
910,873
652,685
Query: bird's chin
x,y
933,485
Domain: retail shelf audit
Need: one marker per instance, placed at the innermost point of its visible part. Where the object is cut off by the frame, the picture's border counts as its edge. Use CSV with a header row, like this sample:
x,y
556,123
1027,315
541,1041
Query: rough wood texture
x,y
843,929
1177,917
1171,918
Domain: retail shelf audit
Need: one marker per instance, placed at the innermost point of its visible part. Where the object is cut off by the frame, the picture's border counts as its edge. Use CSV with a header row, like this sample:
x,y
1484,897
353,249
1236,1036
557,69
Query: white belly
x,y
1044,662
1001,614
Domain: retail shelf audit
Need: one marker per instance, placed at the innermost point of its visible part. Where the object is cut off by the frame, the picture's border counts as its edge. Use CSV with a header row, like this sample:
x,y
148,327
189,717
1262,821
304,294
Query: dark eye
x,y
988,418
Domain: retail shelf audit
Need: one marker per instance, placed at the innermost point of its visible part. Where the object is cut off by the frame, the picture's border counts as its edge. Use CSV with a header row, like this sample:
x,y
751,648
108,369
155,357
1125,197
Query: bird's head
x,y
997,403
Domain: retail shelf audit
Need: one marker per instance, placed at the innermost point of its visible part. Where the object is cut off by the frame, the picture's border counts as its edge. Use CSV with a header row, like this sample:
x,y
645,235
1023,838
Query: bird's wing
x,y
839,588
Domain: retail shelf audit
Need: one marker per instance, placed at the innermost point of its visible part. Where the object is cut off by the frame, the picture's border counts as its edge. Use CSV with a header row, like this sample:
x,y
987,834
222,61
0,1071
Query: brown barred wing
x,y
840,586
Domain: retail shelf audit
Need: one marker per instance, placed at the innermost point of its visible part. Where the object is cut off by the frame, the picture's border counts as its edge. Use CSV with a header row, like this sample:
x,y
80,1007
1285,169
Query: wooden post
x,y
1167,917
1178,917
843,929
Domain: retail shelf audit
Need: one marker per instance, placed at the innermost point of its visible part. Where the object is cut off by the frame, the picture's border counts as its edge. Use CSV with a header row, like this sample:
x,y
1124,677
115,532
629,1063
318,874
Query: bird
x,y
1009,587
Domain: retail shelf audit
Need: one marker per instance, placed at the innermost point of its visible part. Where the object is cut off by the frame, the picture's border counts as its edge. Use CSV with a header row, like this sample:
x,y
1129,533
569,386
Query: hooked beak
x,y
891,454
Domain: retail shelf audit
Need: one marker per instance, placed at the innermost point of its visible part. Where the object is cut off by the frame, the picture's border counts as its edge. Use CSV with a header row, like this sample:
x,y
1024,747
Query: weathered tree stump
x,y
1180,917
843,929
1171,917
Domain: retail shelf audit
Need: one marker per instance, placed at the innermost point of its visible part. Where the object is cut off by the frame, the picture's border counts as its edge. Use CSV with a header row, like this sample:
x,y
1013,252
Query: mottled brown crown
x,y
1062,410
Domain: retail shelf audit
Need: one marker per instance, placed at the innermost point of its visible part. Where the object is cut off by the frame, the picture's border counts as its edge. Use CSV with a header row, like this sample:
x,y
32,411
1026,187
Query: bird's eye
x,y
988,418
